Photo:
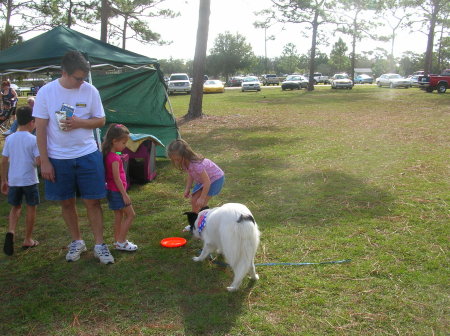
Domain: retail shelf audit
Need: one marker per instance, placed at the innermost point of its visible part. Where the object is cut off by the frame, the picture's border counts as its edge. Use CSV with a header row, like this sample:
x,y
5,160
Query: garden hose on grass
x,y
285,263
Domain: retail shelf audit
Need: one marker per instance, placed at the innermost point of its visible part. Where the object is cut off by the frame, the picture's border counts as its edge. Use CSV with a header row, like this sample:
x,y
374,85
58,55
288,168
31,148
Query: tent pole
x,y
97,130
170,104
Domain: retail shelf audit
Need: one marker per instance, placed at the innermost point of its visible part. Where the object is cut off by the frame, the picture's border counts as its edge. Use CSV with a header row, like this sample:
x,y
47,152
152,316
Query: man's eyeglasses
x,y
78,79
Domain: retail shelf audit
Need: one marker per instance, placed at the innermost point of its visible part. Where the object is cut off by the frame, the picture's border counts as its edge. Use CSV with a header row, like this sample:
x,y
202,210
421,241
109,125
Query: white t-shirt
x,y
86,100
22,150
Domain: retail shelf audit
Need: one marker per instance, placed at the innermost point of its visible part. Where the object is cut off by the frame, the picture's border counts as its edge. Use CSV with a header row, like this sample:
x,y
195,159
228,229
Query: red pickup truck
x,y
435,82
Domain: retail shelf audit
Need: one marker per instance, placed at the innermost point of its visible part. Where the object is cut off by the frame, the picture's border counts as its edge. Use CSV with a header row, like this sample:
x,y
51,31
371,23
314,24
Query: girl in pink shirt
x,y
116,184
208,177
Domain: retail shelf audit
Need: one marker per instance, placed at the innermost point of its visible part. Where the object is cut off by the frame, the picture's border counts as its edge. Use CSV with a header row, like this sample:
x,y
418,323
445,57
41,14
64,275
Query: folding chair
x,y
5,118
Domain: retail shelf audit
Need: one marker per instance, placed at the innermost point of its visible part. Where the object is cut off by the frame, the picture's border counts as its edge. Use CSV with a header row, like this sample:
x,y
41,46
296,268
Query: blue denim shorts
x,y
214,189
85,175
115,200
31,194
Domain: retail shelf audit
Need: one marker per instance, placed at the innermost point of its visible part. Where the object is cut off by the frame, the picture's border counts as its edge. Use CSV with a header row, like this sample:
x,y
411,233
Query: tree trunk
x,y
430,41
312,60
353,58
439,57
195,104
69,14
124,31
104,13
7,33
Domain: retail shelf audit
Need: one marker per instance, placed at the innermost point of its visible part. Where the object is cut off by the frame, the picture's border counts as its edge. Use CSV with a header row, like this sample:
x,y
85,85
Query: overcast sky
x,y
238,16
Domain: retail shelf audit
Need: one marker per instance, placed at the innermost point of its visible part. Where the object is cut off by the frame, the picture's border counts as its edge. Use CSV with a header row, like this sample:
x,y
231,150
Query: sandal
x,y
126,246
8,248
26,247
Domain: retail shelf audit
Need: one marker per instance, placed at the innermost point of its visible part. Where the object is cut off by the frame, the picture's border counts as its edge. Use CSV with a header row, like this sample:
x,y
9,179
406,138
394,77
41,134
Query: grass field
x,y
329,175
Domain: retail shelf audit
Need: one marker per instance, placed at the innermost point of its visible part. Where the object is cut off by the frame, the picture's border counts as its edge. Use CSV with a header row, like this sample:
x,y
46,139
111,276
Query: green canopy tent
x,y
131,85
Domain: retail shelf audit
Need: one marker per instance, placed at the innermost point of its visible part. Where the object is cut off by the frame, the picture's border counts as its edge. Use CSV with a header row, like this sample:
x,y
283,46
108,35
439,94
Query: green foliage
x,y
172,65
289,62
53,13
339,60
231,53
444,53
9,37
410,62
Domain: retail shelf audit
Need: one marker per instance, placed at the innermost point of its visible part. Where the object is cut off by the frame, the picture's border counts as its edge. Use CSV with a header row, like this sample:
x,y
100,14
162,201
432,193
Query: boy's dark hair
x,y
24,115
72,61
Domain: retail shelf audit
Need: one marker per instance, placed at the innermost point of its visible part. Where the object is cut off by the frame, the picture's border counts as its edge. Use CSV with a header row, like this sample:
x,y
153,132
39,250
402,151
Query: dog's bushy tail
x,y
246,235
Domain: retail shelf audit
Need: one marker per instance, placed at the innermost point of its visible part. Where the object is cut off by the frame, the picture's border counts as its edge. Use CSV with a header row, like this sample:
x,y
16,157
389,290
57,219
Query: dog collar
x,y
202,222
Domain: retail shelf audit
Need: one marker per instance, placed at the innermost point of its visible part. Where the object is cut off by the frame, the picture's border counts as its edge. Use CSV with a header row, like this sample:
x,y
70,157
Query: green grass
x,y
328,174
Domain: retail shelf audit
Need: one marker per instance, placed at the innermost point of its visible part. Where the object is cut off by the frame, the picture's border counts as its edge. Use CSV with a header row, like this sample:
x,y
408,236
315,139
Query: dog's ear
x,y
204,208
191,217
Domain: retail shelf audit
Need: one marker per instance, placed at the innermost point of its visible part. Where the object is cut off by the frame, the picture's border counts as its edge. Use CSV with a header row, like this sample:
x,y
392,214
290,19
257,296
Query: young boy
x,y
19,177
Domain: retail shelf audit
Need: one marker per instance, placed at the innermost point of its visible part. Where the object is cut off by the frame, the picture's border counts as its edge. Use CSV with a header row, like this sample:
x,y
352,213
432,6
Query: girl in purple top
x,y
208,177
116,184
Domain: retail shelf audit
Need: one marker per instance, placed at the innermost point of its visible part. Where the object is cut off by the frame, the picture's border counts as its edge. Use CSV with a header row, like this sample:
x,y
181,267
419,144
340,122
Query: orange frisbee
x,y
173,242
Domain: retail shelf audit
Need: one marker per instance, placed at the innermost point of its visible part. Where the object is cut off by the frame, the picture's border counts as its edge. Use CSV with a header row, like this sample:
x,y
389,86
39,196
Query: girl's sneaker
x,y
126,246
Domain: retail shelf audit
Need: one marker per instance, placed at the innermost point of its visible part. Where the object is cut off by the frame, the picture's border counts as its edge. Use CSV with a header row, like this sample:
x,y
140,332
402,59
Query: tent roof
x,y
49,48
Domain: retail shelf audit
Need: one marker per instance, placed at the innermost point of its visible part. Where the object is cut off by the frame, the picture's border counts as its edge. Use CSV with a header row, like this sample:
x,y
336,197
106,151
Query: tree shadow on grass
x,y
258,176
330,194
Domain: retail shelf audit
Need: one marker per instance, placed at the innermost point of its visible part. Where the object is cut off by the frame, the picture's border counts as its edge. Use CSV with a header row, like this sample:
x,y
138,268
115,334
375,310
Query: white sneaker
x,y
75,249
126,246
102,253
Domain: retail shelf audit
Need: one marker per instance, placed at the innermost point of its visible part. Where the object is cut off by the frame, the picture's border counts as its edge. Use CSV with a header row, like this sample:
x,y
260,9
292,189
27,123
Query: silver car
x,y
393,81
250,83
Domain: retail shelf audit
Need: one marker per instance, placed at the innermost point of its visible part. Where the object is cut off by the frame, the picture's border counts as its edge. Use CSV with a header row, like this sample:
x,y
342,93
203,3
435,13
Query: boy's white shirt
x,y
87,103
22,150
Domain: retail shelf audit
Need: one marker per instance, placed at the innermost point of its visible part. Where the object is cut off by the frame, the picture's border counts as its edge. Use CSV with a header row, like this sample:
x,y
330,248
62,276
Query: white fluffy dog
x,y
231,231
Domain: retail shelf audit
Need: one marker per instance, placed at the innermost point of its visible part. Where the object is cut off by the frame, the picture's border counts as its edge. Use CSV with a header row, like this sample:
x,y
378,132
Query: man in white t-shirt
x,y
70,159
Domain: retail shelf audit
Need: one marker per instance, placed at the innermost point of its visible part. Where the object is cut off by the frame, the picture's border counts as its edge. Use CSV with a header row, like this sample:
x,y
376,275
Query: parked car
x,y
179,82
294,82
414,79
318,78
393,81
250,83
362,79
234,81
341,81
213,85
270,79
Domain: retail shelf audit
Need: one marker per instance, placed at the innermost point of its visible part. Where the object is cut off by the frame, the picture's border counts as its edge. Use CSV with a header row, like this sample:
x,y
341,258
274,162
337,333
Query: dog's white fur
x,y
230,231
